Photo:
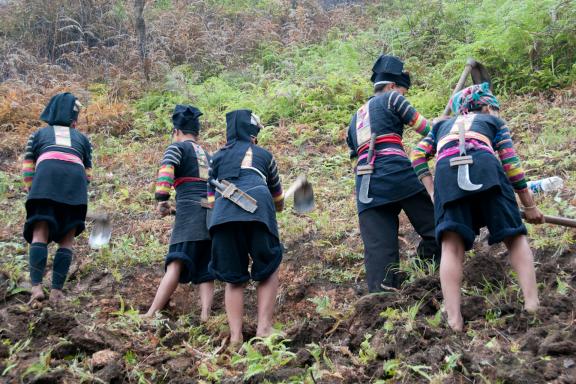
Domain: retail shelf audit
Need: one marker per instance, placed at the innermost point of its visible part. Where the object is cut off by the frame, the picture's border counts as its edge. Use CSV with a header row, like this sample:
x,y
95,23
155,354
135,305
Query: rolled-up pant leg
x,y
420,212
379,230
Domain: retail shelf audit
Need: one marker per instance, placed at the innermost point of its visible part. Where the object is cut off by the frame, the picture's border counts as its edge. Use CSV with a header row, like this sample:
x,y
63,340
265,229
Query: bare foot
x,y
56,296
532,307
204,316
235,346
457,324
148,315
37,294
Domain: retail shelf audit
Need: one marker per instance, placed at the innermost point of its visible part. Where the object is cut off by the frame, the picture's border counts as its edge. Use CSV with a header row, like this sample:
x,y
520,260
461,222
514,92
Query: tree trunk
x,y
141,30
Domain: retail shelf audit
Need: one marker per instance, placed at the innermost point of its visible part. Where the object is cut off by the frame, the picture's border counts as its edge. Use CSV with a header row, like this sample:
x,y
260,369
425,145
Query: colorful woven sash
x,y
182,180
471,144
62,156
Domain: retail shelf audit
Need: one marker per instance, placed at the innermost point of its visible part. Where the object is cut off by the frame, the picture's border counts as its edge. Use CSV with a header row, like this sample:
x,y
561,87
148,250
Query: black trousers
x,y
379,230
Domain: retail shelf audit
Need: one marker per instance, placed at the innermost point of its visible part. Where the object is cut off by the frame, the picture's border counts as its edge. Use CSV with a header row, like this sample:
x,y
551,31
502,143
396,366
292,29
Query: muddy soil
x,y
502,342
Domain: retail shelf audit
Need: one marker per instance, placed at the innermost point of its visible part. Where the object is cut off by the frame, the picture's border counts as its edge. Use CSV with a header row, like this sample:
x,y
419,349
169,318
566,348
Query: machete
x,y
231,192
463,162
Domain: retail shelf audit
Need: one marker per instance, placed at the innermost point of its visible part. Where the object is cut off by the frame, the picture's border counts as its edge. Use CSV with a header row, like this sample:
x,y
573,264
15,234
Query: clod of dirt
x,y
54,377
15,323
303,358
482,269
86,340
182,380
551,371
104,357
558,343
281,375
111,373
180,364
473,307
308,331
53,322
382,346
63,349
532,339
519,375
174,338
4,351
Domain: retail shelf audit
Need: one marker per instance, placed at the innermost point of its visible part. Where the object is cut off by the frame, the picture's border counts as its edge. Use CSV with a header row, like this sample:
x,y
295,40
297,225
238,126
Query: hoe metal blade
x,y
101,232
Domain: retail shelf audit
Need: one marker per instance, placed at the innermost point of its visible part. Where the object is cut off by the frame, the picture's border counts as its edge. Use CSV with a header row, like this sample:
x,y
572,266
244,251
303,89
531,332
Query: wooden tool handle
x,y
467,69
557,220
371,148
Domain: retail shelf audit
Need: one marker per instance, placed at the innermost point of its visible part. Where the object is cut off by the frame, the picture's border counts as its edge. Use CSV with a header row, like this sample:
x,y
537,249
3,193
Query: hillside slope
x,y
306,91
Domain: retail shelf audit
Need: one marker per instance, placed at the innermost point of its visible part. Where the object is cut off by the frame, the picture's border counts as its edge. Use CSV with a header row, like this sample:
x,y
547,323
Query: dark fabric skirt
x,y
61,218
195,257
232,245
493,209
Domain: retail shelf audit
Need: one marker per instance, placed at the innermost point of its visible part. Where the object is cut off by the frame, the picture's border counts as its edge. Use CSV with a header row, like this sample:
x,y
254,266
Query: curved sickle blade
x,y
364,187
464,179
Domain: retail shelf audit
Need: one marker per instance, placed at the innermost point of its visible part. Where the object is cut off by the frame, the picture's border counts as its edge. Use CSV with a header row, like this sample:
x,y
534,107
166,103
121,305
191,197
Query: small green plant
x,y
211,372
275,354
435,320
40,367
366,354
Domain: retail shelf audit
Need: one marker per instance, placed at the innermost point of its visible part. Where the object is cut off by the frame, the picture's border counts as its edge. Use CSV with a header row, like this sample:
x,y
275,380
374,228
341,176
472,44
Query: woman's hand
x,y
163,208
533,215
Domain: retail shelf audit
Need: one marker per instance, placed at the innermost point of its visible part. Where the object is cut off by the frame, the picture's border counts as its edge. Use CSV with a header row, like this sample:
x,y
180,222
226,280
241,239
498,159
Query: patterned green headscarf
x,y
473,98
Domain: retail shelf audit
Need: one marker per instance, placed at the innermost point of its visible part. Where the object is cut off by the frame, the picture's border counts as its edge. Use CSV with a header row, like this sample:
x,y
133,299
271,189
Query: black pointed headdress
x,y
388,68
185,118
62,109
241,126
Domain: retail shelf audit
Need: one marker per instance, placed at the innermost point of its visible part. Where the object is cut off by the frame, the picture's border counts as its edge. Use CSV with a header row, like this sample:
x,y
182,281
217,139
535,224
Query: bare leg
x,y
206,297
166,288
451,277
522,261
267,290
39,235
56,295
234,302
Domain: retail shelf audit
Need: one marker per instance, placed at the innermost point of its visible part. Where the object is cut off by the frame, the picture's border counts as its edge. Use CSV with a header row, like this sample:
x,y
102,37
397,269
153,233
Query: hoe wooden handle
x,y
557,220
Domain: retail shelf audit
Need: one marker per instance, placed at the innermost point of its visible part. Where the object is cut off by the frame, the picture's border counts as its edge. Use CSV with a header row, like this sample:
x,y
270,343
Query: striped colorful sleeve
x,y
408,114
421,153
275,185
165,180
509,159
29,163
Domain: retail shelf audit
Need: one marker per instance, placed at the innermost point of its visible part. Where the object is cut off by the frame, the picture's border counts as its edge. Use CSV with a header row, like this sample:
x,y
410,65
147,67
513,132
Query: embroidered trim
x,y
62,136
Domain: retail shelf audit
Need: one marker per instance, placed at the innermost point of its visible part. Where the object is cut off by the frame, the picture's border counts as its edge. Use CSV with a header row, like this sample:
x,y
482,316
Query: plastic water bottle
x,y
547,185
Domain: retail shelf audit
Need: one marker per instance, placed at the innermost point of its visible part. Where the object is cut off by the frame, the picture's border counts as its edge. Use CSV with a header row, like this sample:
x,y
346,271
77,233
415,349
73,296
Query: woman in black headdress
x,y
57,169
237,233
185,167
393,185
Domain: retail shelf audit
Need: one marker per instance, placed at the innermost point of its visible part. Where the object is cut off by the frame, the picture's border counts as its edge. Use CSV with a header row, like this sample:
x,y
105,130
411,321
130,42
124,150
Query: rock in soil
x,y
111,373
85,340
104,357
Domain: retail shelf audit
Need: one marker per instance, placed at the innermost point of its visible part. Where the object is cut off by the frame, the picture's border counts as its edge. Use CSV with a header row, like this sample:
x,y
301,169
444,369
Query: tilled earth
x,y
399,337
